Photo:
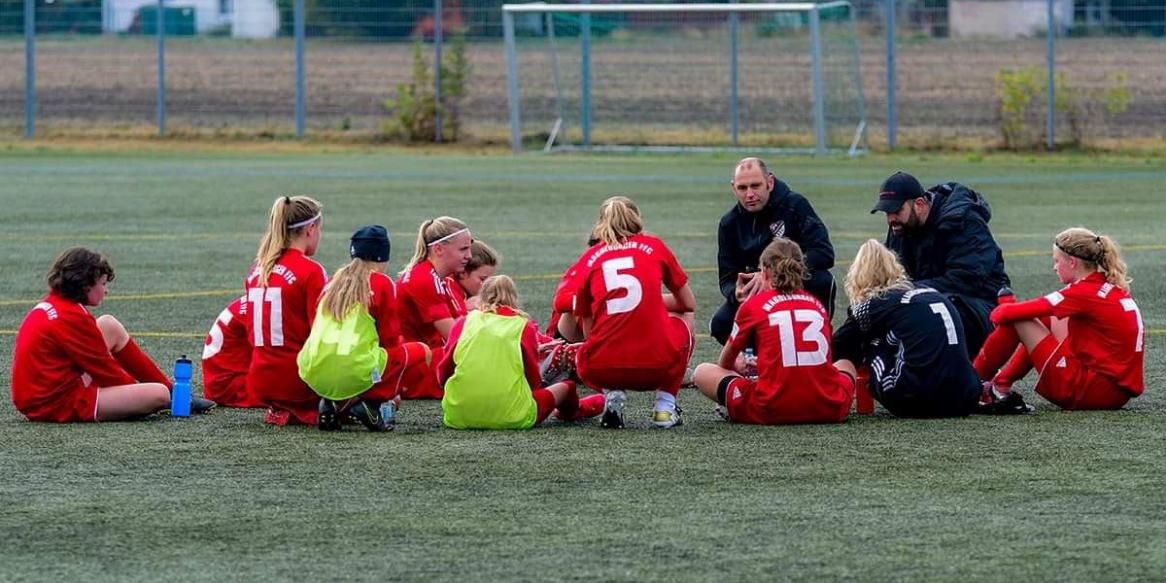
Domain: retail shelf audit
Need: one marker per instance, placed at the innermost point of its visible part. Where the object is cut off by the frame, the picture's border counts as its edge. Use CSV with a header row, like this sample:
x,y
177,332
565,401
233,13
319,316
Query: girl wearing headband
x,y
1089,355
354,358
428,311
280,302
490,370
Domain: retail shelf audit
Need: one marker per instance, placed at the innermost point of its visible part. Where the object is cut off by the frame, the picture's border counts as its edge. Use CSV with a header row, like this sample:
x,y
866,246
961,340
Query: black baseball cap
x,y
895,190
370,243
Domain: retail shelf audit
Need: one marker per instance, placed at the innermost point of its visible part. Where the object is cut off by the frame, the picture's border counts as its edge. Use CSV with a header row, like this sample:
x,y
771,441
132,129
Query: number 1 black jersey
x,y
912,340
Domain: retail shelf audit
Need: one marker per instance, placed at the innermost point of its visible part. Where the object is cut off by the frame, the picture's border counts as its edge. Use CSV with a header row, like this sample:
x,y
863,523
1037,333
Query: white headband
x,y
448,237
295,226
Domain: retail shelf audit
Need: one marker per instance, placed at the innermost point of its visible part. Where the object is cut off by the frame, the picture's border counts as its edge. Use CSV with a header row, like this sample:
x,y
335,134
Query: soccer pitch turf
x,y
1053,495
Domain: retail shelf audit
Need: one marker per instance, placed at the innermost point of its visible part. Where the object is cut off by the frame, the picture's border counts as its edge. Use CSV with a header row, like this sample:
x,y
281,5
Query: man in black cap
x,y
766,208
941,236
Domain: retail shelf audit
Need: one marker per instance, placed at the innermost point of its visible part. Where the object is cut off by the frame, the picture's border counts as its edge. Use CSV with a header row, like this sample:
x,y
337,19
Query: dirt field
x,y
663,89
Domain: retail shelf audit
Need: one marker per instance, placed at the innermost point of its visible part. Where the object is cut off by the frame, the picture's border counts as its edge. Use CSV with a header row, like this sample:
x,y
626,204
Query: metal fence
x,y
966,71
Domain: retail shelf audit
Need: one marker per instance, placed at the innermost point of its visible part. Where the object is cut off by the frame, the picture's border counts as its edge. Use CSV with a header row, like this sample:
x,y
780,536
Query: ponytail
x,y
500,291
619,218
875,271
432,232
290,215
348,287
786,264
1098,252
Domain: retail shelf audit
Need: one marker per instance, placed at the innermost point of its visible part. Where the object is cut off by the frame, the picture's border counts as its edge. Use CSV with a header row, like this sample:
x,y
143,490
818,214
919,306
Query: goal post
x,y
688,54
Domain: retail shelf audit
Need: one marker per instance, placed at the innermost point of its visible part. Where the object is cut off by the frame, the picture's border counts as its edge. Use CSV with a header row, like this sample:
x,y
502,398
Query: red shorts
x,y
1068,384
598,374
229,390
744,406
405,370
418,380
77,403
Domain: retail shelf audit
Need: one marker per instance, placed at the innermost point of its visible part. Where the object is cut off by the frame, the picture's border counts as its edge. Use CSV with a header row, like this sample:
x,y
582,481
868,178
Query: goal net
x,y
770,77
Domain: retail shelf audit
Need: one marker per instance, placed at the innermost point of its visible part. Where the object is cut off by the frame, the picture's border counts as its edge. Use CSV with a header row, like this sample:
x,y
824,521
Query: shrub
x,y
414,111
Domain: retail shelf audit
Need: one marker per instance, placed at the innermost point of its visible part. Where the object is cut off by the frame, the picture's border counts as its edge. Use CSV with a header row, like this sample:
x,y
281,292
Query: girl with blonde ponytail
x,y
1086,341
636,338
490,370
428,309
911,340
279,304
790,330
354,358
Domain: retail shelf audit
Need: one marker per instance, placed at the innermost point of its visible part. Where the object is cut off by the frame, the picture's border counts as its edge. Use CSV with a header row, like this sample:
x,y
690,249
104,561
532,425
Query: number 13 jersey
x,y
619,288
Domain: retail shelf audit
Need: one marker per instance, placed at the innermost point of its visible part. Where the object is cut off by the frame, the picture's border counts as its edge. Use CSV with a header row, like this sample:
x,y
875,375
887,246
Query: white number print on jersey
x,y
614,280
1128,305
941,310
790,355
216,334
274,296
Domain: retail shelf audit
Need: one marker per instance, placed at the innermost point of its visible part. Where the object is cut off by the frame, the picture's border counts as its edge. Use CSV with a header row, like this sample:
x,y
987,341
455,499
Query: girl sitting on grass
x,y
467,283
69,366
354,358
791,332
1090,354
491,369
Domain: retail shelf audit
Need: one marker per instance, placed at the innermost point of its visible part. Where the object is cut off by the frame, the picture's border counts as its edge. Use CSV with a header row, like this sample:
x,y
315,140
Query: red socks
x,y
569,407
1014,370
1000,345
139,365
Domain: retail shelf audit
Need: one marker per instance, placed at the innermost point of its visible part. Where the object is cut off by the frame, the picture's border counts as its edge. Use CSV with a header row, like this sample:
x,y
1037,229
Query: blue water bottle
x,y
180,395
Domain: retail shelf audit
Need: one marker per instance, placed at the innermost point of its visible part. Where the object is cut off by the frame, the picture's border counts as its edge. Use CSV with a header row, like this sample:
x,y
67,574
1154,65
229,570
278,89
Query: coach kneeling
x,y
766,208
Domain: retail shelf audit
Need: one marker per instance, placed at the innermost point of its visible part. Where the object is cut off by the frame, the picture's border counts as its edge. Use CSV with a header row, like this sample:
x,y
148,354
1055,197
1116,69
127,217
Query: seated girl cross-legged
x,y
791,330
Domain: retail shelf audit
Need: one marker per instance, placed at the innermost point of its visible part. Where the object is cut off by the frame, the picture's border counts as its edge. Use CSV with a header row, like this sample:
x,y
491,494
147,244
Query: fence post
x,y
585,76
734,96
512,81
438,38
299,34
1050,119
161,22
816,78
29,69
892,111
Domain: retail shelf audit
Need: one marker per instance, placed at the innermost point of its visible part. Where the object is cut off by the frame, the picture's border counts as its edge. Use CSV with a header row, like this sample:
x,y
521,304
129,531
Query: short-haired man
x,y
941,236
766,208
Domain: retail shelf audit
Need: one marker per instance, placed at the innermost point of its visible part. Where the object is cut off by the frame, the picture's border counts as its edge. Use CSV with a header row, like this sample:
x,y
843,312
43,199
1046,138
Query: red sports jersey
x,y
457,296
57,343
796,382
226,357
618,287
424,299
1106,332
564,297
281,315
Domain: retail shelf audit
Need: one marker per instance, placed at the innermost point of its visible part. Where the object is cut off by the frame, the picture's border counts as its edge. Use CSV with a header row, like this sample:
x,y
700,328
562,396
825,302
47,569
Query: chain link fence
x,y
969,72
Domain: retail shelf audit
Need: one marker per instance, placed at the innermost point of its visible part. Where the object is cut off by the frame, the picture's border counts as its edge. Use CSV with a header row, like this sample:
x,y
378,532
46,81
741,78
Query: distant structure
x,y
239,18
1006,18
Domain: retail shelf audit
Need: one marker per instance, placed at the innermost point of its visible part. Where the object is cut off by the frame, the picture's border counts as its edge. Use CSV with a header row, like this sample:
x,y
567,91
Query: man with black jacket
x,y
766,208
941,236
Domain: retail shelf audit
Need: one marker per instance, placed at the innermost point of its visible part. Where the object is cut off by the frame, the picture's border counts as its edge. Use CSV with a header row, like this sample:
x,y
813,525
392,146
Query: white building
x,y
243,18
1007,18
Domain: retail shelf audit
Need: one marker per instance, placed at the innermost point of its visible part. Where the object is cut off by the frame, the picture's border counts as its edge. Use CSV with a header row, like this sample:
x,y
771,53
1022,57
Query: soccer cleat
x,y
613,410
1010,403
687,381
329,419
666,418
374,416
559,365
200,405
277,418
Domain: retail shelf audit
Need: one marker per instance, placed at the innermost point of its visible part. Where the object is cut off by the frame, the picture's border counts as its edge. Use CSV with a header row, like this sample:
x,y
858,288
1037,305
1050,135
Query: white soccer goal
x,y
759,77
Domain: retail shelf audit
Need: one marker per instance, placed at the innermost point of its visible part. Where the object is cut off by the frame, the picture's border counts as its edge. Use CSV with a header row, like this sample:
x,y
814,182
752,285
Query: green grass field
x,y
1055,495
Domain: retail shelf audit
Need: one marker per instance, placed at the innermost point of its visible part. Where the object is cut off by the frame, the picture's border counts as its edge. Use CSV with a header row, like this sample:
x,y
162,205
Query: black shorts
x,y
723,387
